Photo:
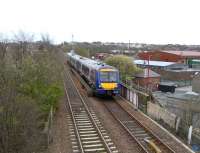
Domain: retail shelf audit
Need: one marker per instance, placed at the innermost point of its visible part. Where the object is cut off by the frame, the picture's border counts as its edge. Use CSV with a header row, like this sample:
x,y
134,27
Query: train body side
x,y
93,72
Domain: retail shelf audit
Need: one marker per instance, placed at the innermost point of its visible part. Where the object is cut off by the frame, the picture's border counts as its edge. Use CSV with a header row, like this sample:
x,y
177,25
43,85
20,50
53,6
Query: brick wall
x,y
151,82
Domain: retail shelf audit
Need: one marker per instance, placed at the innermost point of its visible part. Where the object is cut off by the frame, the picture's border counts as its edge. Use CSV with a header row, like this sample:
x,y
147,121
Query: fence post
x,y
178,123
50,123
189,134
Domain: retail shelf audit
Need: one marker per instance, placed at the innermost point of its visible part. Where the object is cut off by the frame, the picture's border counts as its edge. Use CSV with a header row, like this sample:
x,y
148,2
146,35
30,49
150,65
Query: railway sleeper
x,y
93,145
87,132
88,142
90,138
86,129
94,150
81,123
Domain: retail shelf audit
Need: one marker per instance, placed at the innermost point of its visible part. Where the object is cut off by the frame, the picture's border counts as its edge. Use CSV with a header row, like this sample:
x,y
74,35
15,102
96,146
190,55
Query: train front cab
x,y
107,82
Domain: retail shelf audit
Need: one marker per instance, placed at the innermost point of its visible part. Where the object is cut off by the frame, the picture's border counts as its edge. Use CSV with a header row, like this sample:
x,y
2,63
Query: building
x,y
101,56
195,63
196,82
116,51
169,71
170,56
147,79
160,65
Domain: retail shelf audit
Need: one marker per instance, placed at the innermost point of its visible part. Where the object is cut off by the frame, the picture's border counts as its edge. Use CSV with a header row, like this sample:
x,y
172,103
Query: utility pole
x,y
149,56
72,42
129,45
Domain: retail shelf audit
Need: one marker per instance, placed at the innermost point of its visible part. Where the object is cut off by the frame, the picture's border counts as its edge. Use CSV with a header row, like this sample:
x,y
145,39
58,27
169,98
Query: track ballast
x,y
87,133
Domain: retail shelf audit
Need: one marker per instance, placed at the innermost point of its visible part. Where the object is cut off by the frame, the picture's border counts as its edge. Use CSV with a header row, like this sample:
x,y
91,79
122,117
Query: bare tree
x,y
46,42
24,101
21,42
3,46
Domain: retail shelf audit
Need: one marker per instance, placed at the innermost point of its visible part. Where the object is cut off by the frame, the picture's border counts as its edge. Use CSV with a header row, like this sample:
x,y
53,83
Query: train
x,y
103,79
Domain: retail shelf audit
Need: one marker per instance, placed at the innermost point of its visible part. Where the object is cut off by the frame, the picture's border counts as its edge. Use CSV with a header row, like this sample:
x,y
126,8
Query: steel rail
x,y
73,119
91,118
147,129
127,130
141,126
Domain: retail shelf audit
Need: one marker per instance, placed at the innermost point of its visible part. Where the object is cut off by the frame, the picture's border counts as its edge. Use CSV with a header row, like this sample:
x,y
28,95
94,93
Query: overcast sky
x,y
143,21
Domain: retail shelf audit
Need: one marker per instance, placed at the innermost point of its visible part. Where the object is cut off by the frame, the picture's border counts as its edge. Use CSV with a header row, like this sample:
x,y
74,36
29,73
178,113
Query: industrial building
x,y
170,56
169,71
160,65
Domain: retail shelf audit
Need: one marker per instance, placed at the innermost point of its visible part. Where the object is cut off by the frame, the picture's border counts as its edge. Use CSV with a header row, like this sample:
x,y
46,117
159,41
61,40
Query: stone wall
x,y
196,84
159,113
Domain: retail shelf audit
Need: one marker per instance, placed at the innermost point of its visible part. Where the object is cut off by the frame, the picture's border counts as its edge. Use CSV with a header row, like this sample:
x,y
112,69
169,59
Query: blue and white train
x,y
103,79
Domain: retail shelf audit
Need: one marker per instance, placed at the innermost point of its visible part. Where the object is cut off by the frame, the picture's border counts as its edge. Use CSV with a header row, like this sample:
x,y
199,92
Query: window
x,y
92,75
108,76
85,70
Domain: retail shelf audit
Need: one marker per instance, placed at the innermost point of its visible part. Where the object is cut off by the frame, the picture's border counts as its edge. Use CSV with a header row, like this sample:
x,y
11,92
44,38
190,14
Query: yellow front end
x,y
109,86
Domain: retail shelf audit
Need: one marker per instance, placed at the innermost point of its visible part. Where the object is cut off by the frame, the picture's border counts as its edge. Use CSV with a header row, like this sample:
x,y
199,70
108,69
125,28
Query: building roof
x,y
145,74
196,60
185,53
153,63
166,99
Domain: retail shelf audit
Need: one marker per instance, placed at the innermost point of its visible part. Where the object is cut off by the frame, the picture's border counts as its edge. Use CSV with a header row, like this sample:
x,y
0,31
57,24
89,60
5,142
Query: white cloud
x,y
150,21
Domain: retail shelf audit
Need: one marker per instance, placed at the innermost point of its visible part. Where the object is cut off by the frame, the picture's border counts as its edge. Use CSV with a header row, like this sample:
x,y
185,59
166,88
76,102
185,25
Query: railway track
x,y
148,141
87,133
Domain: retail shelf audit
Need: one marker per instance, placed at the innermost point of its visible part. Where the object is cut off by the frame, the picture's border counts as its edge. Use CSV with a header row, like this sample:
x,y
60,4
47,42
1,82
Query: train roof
x,y
89,62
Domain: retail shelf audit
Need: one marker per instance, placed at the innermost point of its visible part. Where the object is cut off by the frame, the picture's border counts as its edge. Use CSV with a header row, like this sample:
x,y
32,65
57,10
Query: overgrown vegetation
x,y
124,64
30,85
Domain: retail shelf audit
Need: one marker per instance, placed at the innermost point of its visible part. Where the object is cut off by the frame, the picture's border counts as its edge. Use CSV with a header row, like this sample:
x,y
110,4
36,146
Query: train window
x,y
108,76
85,70
92,75
113,76
78,65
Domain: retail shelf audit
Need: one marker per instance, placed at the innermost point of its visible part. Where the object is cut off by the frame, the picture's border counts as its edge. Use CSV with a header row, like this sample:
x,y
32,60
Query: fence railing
x,y
137,96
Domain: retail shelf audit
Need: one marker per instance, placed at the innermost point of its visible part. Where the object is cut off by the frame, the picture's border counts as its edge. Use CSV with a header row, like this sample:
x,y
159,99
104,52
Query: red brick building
x,y
147,79
170,56
101,56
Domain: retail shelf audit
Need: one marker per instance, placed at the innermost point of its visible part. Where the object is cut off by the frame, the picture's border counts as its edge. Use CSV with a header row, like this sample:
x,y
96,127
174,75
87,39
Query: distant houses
x,y
125,52
101,56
